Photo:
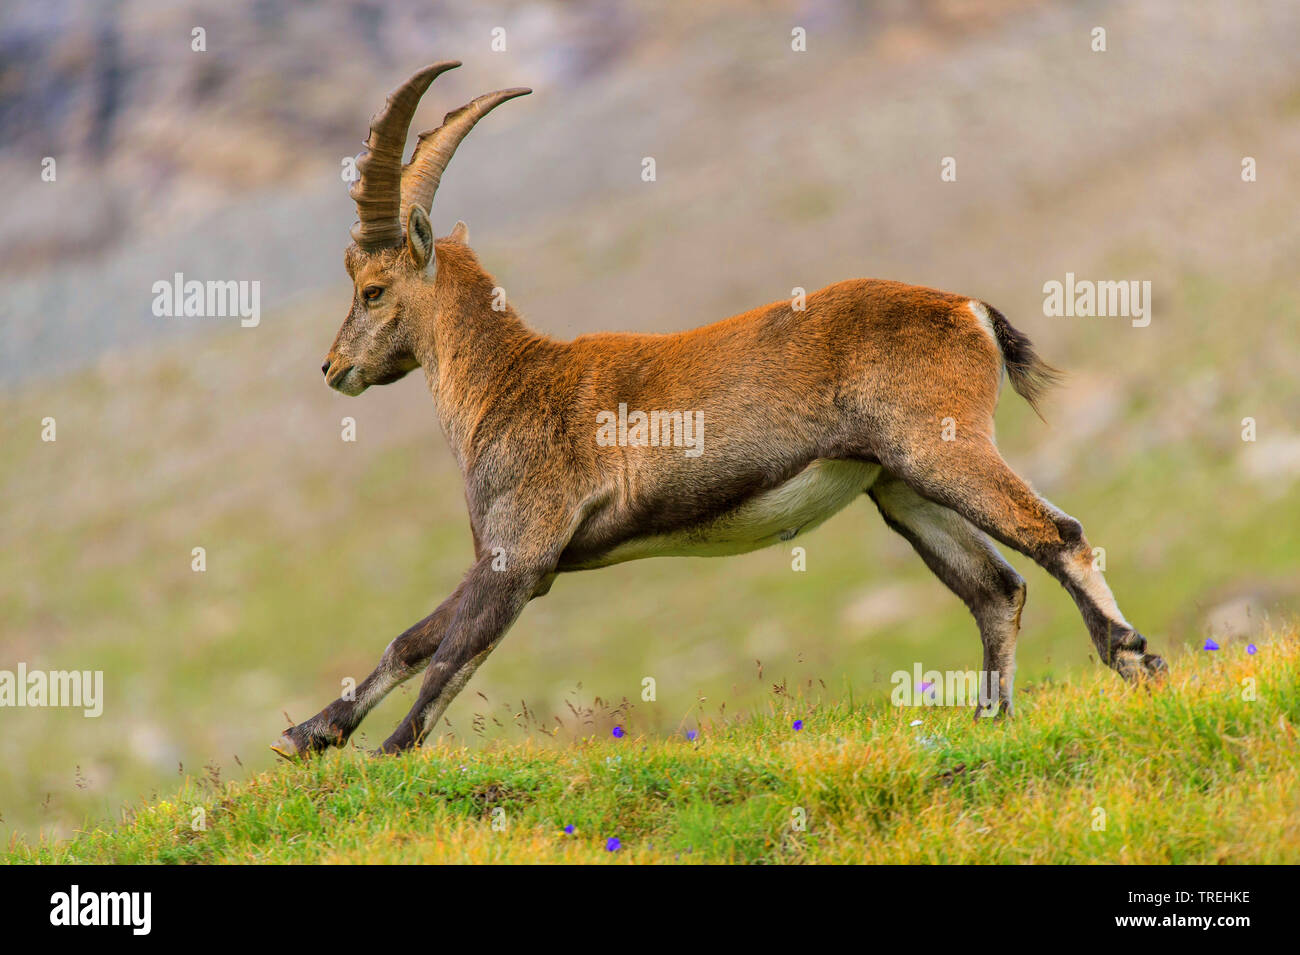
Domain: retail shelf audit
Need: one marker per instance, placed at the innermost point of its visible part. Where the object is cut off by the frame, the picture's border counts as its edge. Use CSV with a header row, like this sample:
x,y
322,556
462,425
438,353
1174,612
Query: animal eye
x,y
372,292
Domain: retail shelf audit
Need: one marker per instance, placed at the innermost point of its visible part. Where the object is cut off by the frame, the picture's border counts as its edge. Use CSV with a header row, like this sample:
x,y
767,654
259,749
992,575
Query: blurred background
x,y
775,169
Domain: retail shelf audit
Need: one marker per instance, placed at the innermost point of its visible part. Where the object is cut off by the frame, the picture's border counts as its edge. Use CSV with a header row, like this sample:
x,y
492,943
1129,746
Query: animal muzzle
x,y
342,375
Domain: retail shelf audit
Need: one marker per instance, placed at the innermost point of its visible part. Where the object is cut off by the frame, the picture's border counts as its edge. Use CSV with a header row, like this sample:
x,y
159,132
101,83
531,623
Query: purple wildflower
x,y
1210,644
613,845
798,724
618,732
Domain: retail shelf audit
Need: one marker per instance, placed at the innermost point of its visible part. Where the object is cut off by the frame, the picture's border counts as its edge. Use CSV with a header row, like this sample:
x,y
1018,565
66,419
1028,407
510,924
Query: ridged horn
x,y
435,148
377,192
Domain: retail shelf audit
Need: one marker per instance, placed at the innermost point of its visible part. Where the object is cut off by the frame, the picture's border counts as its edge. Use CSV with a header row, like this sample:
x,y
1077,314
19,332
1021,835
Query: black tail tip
x,y
1030,376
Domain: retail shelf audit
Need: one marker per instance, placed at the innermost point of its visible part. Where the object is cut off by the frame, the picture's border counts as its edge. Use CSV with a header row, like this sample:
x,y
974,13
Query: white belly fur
x,y
795,507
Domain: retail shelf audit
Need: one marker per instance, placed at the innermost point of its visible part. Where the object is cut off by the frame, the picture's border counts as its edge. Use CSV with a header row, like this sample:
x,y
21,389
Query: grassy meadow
x,y
1204,769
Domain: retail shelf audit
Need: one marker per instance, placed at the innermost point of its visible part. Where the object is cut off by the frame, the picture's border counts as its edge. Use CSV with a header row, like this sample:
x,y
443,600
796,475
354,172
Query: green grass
x,y
1193,771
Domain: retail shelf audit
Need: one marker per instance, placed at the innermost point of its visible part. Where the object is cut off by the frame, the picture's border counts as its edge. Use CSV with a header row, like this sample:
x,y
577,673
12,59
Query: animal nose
x,y
325,368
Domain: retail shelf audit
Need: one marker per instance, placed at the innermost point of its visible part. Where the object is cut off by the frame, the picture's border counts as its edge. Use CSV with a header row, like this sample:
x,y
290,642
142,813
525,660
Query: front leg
x,y
491,600
402,659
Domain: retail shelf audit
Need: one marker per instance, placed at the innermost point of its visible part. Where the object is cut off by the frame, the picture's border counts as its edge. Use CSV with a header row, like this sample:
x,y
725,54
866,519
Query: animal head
x,y
392,260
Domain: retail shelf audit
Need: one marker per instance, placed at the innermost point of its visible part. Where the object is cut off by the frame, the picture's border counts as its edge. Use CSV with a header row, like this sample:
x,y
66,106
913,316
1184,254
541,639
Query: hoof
x,y
308,739
1135,667
1004,711
285,748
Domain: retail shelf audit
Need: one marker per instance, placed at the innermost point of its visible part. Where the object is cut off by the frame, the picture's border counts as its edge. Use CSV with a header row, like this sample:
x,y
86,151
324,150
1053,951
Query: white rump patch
x,y
986,322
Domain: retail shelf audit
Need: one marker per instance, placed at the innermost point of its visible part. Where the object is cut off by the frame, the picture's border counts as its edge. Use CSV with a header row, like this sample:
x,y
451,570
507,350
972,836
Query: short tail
x,y
1029,374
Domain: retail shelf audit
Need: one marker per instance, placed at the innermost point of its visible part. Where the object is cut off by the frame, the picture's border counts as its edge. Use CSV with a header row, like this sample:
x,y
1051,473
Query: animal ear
x,y
419,238
460,233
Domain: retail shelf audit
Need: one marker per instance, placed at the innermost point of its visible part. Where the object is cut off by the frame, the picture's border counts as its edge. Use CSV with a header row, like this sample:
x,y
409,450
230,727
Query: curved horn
x,y
434,149
376,191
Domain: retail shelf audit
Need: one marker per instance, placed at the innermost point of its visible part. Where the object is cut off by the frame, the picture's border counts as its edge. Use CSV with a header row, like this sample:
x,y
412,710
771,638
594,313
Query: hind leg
x,y
970,477
968,563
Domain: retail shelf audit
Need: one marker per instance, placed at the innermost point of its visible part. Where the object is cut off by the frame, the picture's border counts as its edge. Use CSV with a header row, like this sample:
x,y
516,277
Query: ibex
x,y
871,388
